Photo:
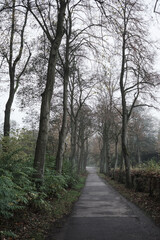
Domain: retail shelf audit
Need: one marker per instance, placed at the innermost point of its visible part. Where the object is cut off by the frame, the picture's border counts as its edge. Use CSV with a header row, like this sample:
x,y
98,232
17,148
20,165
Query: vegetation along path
x,y
103,214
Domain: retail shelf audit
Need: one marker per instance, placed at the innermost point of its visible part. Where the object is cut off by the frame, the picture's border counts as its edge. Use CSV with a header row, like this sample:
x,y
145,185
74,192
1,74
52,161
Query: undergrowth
x,y
150,166
18,192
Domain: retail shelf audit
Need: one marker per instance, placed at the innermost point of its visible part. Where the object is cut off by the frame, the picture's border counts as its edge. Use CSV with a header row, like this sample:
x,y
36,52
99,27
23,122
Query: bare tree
x,y
136,74
12,52
85,131
142,133
80,91
109,130
74,49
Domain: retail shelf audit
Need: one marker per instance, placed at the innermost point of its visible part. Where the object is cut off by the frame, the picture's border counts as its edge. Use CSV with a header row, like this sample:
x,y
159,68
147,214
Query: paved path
x,y
103,214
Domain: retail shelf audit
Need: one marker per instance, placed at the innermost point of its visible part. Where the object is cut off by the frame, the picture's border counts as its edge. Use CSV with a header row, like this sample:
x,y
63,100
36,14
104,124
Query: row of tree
x,y
87,66
60,50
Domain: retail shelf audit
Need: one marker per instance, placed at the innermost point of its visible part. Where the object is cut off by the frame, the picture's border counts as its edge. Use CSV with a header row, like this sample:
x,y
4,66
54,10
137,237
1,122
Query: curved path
x,y
103,214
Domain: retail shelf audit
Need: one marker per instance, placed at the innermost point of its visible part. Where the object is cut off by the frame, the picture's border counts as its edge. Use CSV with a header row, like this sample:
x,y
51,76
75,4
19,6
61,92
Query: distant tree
x,y
136,73
80,90
107,116
85,131
141,137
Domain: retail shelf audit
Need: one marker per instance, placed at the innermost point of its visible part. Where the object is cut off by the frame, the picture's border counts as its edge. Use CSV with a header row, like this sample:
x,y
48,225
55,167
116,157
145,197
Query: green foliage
x,y
63,205
70,174
7,234
8,196
18,189
17,186
54,184
38,201
15,176
80,183
150,166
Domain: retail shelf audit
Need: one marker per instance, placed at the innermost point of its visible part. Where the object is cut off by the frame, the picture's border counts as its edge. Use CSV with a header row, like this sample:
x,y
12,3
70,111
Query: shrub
x,y
151,166
17,188
15,176
54,183
10,195
70,174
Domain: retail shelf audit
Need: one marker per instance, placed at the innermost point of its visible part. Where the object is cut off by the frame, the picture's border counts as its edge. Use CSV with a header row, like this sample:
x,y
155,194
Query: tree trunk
x,y
8,113
81,144
120,179
73,141
124,148
41,144
104,152
85,155
102,162
138,152
81,157
73,120
108,160
62,134
116,154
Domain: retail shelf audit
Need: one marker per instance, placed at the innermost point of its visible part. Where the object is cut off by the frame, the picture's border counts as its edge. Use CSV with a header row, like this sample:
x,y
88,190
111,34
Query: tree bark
x,y
74,122
102,162
120,179
116,153
85,155
104,152
73,141
62,134
8,113
108,160
124,148
81,158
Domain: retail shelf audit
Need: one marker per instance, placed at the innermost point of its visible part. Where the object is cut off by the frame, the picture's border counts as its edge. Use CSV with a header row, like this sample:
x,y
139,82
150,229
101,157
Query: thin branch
x,y
41,25
145,105
155,6
23,70
22,42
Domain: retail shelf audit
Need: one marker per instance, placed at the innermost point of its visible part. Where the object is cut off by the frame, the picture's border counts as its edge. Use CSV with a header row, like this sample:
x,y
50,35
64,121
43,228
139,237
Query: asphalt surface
x,y
101,213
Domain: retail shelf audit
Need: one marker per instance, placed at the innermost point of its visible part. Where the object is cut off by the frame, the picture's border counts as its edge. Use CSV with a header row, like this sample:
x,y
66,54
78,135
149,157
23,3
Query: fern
x,y
7,234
